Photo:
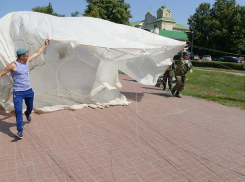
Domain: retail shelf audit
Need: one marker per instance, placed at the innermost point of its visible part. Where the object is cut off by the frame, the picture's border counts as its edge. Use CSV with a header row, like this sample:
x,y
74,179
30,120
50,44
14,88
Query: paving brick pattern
x,y
155,138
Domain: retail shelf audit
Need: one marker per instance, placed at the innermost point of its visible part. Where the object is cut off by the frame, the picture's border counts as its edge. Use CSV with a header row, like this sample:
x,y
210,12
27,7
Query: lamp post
x,y
192,38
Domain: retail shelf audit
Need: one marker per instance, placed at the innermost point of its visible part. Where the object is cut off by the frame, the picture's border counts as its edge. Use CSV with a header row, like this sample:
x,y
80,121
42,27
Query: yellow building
x,y
163,21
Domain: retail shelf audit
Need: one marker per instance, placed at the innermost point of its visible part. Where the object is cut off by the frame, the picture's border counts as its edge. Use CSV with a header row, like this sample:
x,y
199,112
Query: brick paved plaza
x,y
155,138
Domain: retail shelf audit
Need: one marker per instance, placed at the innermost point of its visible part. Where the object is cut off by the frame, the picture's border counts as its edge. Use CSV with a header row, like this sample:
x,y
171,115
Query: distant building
x,y
167,25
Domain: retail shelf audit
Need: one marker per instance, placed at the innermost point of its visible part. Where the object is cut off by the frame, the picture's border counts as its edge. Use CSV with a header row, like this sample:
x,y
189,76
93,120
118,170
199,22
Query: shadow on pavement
x,y
130,80
5,126
167,94
132,96
152,88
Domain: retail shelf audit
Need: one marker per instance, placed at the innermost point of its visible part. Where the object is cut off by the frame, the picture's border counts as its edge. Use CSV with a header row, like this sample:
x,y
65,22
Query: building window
x,y
155,26
166,14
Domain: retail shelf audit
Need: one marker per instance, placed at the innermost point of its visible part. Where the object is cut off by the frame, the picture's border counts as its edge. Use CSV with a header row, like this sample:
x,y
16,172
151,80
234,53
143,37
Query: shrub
x,y
217,64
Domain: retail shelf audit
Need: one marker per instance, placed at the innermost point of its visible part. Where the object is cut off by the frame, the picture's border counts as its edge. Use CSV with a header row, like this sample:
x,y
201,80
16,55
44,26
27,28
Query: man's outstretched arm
x,y
38,52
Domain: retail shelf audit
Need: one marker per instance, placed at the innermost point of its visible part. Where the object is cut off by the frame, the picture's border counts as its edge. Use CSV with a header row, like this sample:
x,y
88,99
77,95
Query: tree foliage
x,y
75,14
46,9
219,27
113,10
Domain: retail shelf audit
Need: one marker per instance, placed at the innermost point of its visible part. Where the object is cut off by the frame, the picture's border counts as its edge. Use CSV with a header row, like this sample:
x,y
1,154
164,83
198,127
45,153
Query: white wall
x,y
169,27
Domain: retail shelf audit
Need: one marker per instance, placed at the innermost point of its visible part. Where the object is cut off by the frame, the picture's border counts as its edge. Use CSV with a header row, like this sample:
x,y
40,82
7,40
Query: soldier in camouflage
x,y
168,75
183,66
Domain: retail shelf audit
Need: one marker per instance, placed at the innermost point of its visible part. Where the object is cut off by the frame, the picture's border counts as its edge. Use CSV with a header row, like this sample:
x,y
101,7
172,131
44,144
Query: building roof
x,y
181,26
137,23
150,13
166,19
164,6
173,34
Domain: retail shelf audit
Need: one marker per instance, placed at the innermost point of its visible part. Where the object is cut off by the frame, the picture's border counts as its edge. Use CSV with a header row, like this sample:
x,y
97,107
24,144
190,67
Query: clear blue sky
x,y
181,9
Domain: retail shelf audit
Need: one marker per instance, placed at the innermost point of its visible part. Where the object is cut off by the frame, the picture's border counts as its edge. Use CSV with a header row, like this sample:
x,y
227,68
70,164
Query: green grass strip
x,y
224,88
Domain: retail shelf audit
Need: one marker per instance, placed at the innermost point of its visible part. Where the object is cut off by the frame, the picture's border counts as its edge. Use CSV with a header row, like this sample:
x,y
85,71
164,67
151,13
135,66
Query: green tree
x,y
75,14
218,27
113,10
46,9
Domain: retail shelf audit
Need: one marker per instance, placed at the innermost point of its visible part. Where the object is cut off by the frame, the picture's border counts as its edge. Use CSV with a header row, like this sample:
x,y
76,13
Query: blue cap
x,y
185,53
21,51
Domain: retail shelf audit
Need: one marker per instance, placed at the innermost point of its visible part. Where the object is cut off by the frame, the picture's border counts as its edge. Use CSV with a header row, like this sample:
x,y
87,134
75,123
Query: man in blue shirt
x,y
21,84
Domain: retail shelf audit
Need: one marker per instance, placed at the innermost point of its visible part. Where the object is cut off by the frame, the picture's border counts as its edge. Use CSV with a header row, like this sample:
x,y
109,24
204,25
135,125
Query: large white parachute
x,y
80,66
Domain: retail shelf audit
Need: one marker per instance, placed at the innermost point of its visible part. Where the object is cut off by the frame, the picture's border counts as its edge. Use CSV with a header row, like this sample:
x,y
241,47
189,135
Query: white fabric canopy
x,y
80,66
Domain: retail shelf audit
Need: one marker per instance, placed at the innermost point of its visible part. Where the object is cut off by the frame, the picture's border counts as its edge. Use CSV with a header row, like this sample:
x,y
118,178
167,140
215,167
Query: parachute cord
x,y
41,144
136,118
72,114
20,152
65,170
136,115
214,50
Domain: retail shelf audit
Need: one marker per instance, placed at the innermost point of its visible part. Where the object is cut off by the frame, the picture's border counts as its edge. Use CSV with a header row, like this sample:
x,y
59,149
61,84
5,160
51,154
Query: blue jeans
x,y
18,97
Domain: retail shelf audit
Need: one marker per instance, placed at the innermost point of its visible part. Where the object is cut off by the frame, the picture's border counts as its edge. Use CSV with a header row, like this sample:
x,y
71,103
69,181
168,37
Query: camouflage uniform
x,y
182,68
168,75
159,81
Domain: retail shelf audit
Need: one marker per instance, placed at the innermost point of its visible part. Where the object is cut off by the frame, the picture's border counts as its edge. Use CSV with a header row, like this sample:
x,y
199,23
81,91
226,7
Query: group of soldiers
x,y
180,70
